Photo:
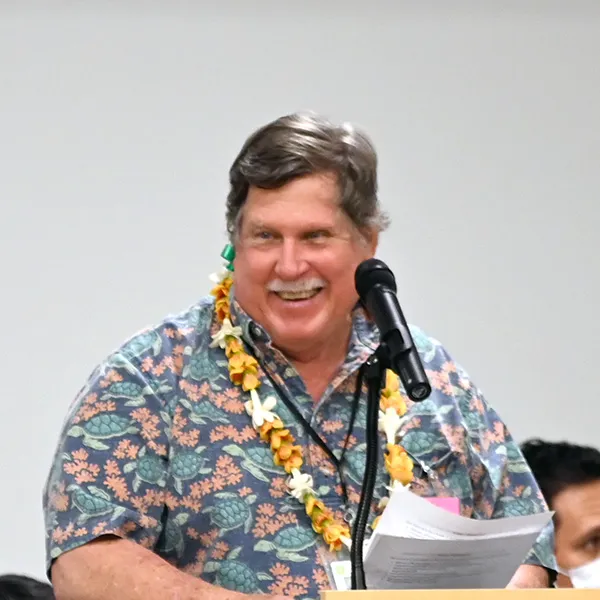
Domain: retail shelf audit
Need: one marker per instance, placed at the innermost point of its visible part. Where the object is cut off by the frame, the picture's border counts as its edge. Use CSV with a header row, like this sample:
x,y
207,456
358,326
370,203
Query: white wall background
x,y
118,122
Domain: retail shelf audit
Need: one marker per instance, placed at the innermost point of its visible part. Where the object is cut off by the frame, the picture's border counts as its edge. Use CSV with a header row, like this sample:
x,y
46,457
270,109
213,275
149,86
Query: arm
x,y
104,524
112,567
529,576
508,488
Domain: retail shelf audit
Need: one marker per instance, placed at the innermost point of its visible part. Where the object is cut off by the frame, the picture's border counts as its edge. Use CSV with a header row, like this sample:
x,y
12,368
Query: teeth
x,y
304,295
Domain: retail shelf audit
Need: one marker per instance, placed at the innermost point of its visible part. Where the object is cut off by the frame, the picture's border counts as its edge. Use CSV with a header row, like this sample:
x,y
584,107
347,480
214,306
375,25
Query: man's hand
x,y
529,576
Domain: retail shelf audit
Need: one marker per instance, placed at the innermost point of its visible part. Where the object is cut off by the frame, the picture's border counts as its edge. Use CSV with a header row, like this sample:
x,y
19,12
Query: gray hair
x,y
303,144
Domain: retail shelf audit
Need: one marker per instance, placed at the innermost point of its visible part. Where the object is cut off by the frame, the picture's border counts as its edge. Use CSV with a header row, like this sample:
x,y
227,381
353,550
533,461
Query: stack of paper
x,y
418,545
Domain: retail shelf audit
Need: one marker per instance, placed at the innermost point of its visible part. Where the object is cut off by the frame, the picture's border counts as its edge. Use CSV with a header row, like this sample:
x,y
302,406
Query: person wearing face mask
x,y
569,478
219,453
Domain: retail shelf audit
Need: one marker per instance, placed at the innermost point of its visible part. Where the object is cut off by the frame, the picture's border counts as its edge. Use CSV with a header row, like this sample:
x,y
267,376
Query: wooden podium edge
x,y
528,594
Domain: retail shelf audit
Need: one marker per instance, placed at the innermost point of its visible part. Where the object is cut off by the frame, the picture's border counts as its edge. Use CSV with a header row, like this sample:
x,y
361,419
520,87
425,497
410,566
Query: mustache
x,y
303,285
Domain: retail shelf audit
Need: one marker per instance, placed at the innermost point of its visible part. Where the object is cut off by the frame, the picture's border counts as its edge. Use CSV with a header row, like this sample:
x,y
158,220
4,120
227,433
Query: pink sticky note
x,y
450,504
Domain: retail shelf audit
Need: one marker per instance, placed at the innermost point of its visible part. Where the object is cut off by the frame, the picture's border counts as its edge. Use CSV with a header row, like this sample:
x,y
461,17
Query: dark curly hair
x,y
22,587
558,465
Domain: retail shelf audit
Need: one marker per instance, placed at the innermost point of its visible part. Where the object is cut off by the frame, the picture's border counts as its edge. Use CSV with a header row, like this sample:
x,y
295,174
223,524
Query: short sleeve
x,y
508,488
109,471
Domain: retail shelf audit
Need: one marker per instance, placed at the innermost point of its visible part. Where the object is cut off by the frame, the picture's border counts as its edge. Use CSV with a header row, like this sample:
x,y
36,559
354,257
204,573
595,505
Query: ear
x,y
371,241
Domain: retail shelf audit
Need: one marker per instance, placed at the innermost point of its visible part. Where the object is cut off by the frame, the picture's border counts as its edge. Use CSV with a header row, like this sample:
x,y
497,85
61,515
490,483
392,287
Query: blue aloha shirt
x,y
158,448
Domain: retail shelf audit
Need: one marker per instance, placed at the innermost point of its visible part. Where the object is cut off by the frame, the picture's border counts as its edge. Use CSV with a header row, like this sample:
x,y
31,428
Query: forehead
x,y
578,509
309,201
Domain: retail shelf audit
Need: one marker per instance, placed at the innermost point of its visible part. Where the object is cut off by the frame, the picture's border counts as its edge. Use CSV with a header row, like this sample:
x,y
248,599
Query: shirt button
x,y
256,331
349,516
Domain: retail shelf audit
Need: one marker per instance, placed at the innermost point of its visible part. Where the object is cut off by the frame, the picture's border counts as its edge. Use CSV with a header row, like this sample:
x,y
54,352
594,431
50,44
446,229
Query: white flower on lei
x,y
260,412
396,486
346,541
219,275
227,329
300,484
390,422
393,487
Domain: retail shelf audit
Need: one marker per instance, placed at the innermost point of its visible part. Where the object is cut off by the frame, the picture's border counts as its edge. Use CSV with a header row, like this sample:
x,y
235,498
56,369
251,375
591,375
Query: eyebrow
x,y
258,225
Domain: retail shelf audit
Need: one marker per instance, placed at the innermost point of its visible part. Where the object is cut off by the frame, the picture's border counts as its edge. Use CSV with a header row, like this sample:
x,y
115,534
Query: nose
x,y
290,264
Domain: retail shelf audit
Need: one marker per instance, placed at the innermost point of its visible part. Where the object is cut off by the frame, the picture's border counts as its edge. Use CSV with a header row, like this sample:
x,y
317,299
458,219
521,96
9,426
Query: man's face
x,y
296,255
578,525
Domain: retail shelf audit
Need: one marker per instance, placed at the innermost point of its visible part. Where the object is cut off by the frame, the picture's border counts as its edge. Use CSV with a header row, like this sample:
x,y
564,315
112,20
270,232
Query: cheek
x,y
339,271
342,285
566,554
252,268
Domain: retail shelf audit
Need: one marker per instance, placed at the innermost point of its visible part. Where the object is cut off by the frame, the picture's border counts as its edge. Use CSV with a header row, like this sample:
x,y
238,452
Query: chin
x,y
295,339
298,338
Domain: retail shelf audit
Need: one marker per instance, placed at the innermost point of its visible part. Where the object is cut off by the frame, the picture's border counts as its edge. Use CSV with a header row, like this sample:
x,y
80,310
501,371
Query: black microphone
x,y
376,287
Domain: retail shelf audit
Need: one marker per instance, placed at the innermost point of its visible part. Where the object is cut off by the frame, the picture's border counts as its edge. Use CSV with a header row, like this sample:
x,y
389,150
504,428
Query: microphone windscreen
x,y
370,273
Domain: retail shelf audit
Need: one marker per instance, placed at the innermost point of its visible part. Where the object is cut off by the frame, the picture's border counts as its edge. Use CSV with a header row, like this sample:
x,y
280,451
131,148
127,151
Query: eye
x,y
263,234
319,234
592,545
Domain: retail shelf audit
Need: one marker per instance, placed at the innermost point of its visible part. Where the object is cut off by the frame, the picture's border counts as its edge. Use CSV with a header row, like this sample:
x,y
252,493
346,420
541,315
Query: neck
x,y
331,348
317,365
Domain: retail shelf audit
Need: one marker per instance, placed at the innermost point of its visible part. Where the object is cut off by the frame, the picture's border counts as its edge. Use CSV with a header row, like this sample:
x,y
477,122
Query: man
x,y
218,453
569,477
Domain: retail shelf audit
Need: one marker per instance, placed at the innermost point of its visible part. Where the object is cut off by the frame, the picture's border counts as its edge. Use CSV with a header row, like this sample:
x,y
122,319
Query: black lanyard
x,y
316,437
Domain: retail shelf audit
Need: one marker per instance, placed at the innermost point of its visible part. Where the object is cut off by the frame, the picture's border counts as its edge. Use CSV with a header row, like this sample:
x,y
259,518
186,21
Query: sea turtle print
x,y
231,511
133,393
187,464
472,418
418,443
353,467
203,411
289,543
196,317
93,502
354,463
159,448
343,414
103,427
149,468
521,507
515,461
257,460
234,575
146,342
459,481
201,367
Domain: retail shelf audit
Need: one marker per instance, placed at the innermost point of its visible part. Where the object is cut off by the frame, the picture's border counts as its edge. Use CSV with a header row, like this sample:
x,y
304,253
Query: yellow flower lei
x,y
243,372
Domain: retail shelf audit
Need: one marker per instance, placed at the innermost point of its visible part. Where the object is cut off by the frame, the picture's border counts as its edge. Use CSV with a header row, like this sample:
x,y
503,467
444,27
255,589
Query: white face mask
x,y
586,576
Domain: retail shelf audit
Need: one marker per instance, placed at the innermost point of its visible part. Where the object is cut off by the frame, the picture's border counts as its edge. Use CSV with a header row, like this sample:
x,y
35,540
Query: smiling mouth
x,y
297,296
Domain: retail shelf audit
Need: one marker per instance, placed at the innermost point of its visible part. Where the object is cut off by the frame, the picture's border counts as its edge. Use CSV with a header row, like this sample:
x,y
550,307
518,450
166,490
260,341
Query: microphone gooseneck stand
x,y
385,357
376,287
374,374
